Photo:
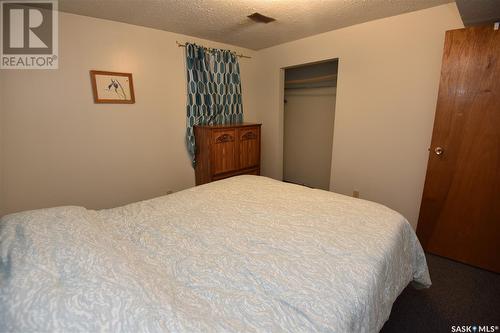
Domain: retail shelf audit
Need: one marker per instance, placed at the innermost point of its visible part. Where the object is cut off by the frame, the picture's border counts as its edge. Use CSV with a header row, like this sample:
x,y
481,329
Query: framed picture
x,y
112,87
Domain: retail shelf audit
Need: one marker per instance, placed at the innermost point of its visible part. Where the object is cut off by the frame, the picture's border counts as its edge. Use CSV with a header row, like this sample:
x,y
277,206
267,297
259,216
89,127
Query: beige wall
x,y
1,149
60,148
386,96
308,132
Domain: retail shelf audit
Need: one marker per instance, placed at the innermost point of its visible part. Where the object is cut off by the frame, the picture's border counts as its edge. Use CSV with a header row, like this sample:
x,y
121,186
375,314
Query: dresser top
x,y
228,125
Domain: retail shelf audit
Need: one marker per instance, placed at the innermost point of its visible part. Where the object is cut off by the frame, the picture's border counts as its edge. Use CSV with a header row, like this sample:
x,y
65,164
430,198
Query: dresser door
x,y
223,151
249,147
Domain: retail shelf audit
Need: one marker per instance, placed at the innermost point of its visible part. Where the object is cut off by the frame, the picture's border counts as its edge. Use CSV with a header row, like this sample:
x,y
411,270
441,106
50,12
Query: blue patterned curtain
x,y
214,89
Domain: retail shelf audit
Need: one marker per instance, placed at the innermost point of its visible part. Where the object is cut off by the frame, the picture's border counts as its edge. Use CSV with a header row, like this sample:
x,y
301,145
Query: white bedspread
x,y
246,254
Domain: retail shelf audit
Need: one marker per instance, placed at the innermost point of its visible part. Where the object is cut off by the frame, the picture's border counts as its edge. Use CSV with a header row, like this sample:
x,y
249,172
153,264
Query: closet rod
x,y
210,49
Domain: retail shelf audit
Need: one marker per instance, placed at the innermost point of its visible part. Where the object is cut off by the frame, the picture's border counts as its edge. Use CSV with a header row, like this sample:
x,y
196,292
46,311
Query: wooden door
x,y
249,147
224,151
460,211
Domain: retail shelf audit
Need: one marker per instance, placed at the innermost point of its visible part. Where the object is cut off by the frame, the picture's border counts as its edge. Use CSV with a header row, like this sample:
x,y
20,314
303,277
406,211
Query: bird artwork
x,y
116,86
112,87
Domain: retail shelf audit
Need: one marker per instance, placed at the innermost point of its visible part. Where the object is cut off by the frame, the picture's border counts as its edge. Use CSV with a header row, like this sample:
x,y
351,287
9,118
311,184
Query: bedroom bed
x,y
244,254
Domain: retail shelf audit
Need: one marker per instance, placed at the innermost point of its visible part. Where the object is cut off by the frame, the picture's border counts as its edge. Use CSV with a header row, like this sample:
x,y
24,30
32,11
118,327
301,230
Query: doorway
x,y
309,115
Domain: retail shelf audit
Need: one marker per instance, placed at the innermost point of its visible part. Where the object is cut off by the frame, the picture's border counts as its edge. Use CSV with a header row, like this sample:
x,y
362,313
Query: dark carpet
x,y
459,295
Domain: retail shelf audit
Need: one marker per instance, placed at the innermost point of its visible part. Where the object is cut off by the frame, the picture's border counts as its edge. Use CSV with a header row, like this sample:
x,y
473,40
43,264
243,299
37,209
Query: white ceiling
x,y
227,22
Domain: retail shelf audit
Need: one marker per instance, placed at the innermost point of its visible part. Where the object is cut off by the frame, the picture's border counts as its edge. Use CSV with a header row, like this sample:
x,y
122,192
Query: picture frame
x,y
112,87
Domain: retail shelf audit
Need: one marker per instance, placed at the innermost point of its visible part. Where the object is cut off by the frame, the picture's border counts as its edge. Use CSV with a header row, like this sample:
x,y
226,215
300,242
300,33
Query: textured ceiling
x,y
226,21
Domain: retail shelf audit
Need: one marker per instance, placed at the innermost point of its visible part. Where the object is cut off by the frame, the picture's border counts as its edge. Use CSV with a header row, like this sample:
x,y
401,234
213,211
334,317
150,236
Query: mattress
x,y
244,254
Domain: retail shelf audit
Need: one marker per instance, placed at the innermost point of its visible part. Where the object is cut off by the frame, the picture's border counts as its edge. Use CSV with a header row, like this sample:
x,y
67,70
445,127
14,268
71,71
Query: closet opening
x,y
309,115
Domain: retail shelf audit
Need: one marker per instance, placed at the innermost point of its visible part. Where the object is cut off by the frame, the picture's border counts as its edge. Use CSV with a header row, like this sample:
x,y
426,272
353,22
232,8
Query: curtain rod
x,y
210,49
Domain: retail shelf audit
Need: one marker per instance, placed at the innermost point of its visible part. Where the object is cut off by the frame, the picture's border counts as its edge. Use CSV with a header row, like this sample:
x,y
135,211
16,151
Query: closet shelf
x,y
313,79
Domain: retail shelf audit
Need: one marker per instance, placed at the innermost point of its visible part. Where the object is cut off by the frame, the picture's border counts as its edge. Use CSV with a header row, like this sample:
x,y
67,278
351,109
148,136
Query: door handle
x,y
439,151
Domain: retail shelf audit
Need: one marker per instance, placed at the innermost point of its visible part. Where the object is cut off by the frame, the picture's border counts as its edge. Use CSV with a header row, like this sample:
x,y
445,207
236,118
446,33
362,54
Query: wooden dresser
x,y
224,151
